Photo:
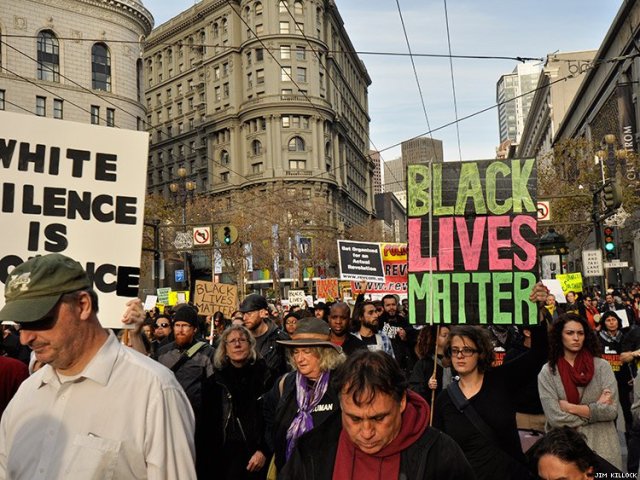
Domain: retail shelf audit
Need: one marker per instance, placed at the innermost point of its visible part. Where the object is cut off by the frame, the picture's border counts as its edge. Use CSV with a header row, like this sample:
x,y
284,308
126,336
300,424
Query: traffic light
x,y
612,195
609,242
227,234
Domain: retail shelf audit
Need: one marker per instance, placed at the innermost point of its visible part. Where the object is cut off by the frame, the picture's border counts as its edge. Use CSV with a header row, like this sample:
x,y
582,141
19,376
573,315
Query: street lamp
x,y
182,189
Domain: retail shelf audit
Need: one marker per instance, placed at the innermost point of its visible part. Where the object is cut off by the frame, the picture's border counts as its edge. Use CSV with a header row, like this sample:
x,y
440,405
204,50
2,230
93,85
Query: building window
x,y
48,56
258,8
224,157
111,117
259,29
249,80
301,53
256,147
101,67
285,52
41,106
296,144
286,91
217,94
224,177
2,93
259,54
283,7
225,26
301,74
57,108
215,30
299,28
297,8
95,115
179,108
225,69
225,90
286,121
297,164
259,77
285,74
284,27
256,167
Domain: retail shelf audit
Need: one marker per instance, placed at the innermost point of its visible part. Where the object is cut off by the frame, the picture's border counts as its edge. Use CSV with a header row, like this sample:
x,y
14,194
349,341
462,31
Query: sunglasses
x,y
162,325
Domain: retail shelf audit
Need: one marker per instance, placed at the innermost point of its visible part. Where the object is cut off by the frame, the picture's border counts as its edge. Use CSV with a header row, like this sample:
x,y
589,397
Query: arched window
x,y
100,67
48,56
215,30
224,157
296,144
258,8
256,147
297,8
225,26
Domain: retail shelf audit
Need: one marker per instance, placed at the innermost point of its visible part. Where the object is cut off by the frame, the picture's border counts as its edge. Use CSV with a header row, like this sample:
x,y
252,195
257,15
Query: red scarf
x,y
351,462
577,376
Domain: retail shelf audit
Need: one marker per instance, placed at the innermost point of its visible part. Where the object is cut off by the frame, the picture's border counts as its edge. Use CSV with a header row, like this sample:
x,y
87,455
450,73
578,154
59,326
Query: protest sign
x,y
327,288
476,262
360,261
570,282
178,297
163,295
215,297
297,298
394,262
78,190
150,302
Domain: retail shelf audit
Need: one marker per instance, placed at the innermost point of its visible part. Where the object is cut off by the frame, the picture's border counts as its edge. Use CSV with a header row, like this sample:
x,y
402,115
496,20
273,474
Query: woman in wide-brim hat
x,y
302,399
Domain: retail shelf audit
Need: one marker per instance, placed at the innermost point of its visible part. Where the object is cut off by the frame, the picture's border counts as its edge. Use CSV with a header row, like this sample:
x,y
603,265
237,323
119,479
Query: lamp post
x,y
182,189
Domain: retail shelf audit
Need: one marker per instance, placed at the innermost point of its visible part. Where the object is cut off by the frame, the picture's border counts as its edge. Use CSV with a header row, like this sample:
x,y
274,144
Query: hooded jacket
x,y
418,452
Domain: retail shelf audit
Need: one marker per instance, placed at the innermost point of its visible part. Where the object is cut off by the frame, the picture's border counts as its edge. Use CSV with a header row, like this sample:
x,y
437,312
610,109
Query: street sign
x,y
544,211
202,236
616,264
592,263
179,275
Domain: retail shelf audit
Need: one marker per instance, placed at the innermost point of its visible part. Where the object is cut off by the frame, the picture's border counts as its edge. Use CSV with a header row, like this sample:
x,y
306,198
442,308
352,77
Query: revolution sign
x,y
360,261
479,263
78,190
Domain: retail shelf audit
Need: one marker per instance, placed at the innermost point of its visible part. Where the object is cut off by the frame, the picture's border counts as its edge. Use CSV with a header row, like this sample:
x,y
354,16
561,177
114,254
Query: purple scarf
x,y
307,400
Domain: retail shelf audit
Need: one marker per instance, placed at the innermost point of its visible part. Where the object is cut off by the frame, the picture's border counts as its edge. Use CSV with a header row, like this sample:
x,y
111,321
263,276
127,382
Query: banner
x,y
360,261
327,288
212,297
479,263
394,262
78,190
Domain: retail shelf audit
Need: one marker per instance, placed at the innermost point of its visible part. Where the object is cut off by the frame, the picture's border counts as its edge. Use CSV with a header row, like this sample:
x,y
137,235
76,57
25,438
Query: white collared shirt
x,y
124,417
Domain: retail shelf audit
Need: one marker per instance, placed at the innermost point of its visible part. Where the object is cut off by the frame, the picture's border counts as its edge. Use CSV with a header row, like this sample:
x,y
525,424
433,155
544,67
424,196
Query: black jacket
x,y
273,353
435,456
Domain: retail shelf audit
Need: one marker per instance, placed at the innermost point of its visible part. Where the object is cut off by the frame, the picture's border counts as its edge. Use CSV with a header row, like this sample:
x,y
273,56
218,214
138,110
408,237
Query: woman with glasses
x,y
477,410
578,389
230,426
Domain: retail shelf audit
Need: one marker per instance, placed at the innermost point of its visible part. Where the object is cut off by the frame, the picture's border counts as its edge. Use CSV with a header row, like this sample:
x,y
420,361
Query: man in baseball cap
x,y
87,373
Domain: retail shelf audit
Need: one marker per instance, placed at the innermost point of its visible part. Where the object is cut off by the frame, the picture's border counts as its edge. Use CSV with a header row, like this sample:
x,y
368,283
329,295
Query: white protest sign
x,y
150,302
297,298
78,190
555,289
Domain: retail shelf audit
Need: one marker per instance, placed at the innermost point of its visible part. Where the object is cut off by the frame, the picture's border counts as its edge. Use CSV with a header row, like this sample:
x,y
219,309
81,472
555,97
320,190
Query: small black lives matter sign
x,y
78,190
360,261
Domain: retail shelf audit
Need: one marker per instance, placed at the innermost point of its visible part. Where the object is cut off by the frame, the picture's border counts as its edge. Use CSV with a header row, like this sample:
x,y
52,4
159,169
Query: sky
x,y
511,28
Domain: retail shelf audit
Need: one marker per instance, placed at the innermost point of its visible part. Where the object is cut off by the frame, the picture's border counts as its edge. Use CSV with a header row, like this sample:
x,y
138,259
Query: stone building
x,y
77,60
261,97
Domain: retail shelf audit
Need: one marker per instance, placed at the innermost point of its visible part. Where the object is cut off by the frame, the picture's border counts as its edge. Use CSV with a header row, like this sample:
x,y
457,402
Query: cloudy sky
x,y
512,28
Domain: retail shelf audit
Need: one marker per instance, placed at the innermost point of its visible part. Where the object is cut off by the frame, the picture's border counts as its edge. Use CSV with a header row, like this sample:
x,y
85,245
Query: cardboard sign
x,y
215,297
297,298
78,190
327,288
570,282
477,261
360,261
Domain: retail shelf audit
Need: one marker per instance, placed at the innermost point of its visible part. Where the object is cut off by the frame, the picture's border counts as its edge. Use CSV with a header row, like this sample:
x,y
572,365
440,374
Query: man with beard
x,y
401,334
339,327
255,311
190,360
367,316
163,335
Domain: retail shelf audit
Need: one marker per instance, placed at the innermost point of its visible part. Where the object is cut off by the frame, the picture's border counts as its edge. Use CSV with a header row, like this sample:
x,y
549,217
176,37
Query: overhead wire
x,y
453,82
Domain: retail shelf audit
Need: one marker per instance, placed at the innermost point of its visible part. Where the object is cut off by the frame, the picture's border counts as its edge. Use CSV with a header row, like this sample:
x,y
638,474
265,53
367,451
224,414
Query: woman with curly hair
x,y
578,388
432,340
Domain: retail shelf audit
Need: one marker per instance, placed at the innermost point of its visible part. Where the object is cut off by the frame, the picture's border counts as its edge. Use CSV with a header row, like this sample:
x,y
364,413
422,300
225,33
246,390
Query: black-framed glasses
x,y
464,351
162,325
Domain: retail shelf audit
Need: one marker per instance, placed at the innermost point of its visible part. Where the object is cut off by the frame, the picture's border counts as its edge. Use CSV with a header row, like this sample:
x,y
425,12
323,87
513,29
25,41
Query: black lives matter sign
x,y
78,190
360,261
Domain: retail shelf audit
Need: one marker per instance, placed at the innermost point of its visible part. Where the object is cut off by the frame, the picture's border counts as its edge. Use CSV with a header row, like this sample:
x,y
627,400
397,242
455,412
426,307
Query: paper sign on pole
x,y
78,190
360,261
216,297
297,298
163,295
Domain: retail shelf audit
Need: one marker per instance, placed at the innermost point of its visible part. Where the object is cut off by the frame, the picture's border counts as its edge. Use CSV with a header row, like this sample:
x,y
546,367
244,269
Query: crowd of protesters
x,y
329,391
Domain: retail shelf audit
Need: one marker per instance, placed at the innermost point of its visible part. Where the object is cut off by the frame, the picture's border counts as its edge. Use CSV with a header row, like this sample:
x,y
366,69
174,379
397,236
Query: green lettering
x,y
439,209
522,285
418,181
461,279
442,294
469,186
482,279
491,190
499,279
522,201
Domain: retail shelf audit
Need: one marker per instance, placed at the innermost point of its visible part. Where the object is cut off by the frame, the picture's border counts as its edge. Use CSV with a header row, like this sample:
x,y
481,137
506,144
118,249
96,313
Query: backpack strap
x,y
195,348
464,406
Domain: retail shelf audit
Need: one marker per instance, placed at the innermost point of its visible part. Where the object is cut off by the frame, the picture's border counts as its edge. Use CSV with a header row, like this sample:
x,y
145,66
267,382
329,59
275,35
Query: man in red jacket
x,y
382,432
